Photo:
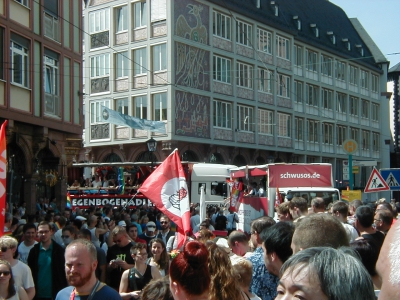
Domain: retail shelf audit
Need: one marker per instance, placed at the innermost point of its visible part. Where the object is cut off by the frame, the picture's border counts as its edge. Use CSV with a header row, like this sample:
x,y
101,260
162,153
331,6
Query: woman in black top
x,y
135,279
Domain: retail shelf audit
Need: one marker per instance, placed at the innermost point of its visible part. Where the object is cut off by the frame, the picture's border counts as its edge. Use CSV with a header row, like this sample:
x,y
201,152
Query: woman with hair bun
x,y
189,276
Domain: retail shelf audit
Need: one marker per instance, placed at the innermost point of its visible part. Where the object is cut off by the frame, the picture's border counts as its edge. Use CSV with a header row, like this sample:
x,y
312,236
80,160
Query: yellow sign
x,y
356,169
350,146
351,195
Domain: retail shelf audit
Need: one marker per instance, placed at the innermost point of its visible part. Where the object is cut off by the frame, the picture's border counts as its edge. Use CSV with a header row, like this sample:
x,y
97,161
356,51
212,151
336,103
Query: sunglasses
x,y
5,273
4,249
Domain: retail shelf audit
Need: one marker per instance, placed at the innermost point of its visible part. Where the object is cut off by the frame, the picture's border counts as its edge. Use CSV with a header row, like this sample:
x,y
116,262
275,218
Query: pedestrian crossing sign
x,y
392,178
376,183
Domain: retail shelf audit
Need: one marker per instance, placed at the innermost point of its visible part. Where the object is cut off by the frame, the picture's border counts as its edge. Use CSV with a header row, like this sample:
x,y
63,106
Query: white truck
x,y
303,180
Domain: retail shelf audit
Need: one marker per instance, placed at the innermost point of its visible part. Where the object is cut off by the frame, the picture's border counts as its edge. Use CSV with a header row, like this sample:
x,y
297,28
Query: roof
x,y
326,16
394,72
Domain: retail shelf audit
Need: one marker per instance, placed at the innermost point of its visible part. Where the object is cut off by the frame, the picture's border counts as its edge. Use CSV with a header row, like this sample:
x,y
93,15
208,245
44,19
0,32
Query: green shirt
x,y
45,282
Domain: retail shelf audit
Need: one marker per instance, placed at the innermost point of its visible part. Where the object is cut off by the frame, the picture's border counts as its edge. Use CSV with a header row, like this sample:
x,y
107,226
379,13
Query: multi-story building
x,y
40,88
236,82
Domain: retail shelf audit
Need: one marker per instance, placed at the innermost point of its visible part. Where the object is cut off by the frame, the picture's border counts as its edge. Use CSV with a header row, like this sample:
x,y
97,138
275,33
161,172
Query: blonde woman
x,y
8,290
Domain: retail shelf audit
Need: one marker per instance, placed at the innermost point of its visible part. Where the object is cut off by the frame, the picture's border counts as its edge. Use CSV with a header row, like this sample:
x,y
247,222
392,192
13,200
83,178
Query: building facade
x,y
237,82
40,95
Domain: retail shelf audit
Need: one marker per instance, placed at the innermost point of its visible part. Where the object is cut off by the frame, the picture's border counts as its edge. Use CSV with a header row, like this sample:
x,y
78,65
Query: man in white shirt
x,y
29,232
340,210
96,183
21,272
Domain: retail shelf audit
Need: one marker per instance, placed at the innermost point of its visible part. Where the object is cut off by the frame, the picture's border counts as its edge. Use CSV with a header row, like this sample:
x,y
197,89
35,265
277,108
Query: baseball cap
x,y
80,218
151,226
122,223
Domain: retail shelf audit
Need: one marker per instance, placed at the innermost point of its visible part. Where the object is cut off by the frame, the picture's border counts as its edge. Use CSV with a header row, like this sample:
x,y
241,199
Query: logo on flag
x,y
166,188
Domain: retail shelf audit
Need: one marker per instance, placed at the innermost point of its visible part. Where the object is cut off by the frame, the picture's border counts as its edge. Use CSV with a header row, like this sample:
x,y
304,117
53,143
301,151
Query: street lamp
x,y
151,146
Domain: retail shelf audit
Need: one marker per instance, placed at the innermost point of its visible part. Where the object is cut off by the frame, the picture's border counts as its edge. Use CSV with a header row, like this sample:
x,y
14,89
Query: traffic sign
x,y
350,146
392,178
376,183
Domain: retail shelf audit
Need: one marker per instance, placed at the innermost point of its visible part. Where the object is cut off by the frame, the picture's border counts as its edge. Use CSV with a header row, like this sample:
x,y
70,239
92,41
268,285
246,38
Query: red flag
x,y
166,187
3,173
277,197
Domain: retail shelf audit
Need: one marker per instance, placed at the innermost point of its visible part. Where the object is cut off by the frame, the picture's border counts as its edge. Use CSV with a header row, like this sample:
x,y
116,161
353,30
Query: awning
x,y
253,171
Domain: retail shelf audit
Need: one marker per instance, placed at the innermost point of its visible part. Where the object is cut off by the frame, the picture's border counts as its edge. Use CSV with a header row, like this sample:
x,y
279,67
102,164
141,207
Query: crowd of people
x,y
116,252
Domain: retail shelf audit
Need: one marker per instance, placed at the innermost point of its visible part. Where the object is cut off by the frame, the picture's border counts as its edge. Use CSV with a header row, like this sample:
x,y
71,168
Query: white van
x,y
213,177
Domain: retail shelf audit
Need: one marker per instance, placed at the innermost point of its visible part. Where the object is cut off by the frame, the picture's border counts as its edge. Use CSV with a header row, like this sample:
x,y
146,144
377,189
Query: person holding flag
x,y
167,189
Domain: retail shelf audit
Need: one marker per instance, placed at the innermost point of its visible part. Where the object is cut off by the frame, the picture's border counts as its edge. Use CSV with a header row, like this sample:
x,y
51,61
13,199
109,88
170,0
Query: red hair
x,y
190,268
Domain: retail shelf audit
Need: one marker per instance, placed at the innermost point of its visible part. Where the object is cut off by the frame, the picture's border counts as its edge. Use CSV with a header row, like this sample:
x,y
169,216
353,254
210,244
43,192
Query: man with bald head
x,y
80,267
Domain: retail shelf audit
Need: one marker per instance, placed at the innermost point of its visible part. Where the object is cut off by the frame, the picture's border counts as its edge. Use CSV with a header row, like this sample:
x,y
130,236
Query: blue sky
x,y
381,19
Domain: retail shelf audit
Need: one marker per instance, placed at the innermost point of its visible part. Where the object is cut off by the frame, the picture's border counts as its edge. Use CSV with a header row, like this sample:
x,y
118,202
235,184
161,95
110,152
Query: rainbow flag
x,y
68,204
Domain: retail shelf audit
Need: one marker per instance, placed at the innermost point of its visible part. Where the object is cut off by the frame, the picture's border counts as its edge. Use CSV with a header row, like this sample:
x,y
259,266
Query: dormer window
x,y
315,29
360,49
298,22
275,8
332,37
347,44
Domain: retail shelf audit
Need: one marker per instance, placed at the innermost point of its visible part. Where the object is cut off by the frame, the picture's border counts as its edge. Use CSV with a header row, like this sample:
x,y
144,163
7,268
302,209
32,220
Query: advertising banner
x,y
300,175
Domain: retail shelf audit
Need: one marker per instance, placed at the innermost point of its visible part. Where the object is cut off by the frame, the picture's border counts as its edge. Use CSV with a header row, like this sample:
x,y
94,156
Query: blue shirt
x,y
45,282
263,283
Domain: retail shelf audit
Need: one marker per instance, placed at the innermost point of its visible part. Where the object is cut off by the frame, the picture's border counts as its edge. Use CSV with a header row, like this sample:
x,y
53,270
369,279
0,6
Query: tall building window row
x,y
264,39
328,133
282,47
283,86
122,64
140,61
159,57
341,103
327,99
298,56
312,60
326,65
100,65
99,20
51,83
313,133
140,14
121,14
19,54
222,117
265,121
244,34
312,93
245,118
140,107
222,69
265,78
244,75
299,129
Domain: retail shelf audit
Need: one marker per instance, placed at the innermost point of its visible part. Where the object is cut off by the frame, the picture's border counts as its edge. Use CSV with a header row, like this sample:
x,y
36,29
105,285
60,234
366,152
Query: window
x,y
100,65
265,80
299,131
340,73
244,34
312,95
374,84
353,78
122,64
326,65
158,11
23,2
353,106
284,125
96,111
328,133
341,103
327,99
365,140
311,64
222,25
51,83
283,86
298,56
99,20
51,22
140,13
375,112
122,18
375,141
282,47
365,109
20,64
265,120
312,126
245,118
122,106
341,134
264,39
364,79
140,61
140,107
298,91
244,75
222,114
160,107
354,134
222,69
159,57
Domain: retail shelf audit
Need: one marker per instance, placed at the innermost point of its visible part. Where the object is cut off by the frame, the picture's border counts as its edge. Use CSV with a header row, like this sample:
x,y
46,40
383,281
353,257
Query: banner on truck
x,y
299,175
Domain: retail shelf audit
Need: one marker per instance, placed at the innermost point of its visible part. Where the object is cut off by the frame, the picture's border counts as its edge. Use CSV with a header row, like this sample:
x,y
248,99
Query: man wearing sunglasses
x,y
46,261
165,232
21,273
